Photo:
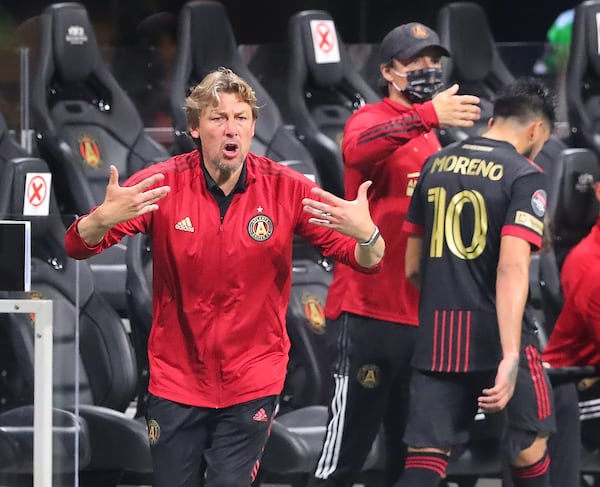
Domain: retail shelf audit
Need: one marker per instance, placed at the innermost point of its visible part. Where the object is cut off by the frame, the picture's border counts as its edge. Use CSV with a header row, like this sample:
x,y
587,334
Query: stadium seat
x,y
582,85
475,63
322,89
576,208
84,121
106,378
16,411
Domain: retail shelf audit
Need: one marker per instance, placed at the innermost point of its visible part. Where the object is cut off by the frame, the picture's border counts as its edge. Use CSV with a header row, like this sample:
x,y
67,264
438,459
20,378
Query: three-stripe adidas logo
x,y
185,225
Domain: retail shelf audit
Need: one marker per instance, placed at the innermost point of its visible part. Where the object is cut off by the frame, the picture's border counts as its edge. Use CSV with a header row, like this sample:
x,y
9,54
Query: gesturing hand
x,y
456,110
122,203
351,218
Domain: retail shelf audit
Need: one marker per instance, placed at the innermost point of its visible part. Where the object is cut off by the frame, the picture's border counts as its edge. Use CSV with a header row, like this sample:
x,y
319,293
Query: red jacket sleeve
x,y
368,138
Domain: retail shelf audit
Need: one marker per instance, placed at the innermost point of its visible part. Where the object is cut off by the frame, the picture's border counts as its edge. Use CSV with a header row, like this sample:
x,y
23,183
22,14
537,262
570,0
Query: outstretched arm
x,y
121,203
351,218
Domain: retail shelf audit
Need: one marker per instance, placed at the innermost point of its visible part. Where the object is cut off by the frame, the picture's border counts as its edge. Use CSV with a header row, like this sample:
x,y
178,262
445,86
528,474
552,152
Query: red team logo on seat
x,y
315,314
89,150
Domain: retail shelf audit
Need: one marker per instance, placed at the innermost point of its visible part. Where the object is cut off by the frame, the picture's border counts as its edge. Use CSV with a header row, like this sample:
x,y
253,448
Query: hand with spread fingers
x,y
121,203
350,218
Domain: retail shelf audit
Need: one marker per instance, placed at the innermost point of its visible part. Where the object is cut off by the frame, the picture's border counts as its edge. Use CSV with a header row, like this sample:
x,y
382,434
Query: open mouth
x,y
230,150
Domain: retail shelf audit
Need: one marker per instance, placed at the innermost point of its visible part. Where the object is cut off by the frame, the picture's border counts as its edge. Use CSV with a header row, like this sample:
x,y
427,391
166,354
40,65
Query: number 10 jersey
x,y
468,196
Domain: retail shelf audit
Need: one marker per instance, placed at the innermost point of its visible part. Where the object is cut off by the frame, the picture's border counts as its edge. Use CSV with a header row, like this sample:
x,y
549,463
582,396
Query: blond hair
x,y
206,94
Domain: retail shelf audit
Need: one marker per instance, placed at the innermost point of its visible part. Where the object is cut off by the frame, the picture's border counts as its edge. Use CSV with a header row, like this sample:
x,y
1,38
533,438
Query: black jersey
x,y
468,196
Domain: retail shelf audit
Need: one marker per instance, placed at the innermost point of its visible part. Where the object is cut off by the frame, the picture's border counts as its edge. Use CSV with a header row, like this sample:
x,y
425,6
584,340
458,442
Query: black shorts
x,y
443,406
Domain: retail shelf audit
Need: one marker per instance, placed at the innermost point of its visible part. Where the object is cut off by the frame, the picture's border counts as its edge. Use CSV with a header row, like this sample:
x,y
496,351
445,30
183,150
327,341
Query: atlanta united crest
x,y
89,150
369,376
260,228
315,314
153,431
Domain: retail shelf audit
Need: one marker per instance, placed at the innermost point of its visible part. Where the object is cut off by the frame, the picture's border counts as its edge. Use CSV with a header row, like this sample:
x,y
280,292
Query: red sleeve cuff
x,y
76,246
535,239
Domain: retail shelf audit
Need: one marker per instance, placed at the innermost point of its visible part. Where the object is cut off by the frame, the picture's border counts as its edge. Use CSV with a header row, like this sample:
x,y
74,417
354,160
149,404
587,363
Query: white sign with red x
x,y
37,194
325,41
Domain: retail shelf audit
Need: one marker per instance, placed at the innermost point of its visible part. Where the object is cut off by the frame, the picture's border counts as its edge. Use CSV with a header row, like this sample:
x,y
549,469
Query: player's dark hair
x,y
526,99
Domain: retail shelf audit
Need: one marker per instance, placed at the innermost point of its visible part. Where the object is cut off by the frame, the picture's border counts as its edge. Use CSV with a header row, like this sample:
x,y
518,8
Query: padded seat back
x,y
583,76
576,207
84,120
323,90
107,371
475,63
308,377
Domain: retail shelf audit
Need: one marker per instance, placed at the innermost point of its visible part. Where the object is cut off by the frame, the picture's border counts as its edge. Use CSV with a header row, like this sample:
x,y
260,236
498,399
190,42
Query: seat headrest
x,y
211,37
585,16
465,30
314,33
73,38
576,205
206,41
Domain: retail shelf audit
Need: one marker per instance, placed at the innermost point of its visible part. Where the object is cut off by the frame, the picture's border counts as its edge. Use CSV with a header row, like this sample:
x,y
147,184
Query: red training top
x,y
575,339
386,142
221,288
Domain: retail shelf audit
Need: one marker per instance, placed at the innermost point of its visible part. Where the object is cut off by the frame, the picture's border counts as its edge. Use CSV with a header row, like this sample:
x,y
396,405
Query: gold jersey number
x,y
446,223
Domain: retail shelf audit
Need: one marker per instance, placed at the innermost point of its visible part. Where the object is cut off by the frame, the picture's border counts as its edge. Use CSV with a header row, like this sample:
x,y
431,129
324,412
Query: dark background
x,y
265,21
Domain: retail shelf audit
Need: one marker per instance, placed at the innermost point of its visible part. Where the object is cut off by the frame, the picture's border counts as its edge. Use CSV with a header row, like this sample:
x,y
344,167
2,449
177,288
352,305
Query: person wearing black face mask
x,y
371,321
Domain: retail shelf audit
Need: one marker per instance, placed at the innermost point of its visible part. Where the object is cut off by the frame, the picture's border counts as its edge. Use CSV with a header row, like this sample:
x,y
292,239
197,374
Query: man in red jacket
x,y
222,246
372,319
575,341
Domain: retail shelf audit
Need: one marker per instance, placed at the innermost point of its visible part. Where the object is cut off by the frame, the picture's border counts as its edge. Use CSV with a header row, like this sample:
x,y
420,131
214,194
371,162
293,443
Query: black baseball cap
x,y
407,40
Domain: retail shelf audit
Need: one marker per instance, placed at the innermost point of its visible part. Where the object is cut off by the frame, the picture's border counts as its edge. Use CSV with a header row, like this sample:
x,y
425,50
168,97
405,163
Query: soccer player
x,y
476,214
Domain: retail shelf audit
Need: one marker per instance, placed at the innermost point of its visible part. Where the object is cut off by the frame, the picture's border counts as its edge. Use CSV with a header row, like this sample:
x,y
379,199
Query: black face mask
x,y
423,84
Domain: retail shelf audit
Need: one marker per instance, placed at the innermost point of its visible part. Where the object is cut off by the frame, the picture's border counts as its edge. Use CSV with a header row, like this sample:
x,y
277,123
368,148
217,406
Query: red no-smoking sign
x,y
325,41
37,194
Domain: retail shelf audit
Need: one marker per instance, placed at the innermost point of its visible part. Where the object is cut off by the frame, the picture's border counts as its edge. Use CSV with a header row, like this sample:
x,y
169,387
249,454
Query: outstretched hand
x,y
456,110
122,203
350,218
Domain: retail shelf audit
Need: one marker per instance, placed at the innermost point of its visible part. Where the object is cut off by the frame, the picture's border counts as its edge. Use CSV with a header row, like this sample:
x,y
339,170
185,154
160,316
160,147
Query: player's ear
x,y
490,122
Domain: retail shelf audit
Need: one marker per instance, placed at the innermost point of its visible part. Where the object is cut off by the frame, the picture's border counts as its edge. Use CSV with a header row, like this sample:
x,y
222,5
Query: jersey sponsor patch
x,y
260,228
539,201
529,221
